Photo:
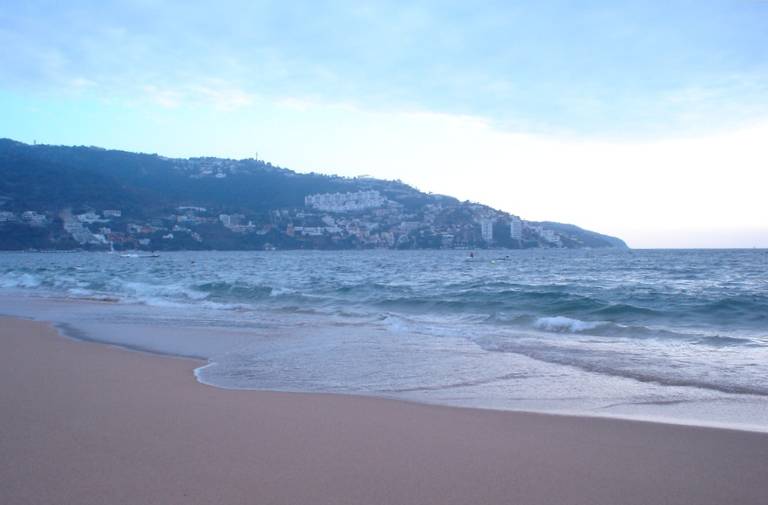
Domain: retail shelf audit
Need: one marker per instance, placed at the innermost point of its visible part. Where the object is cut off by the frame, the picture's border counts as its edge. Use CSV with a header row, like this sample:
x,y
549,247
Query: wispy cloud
x,y
589,69
167,98
222,96
210,93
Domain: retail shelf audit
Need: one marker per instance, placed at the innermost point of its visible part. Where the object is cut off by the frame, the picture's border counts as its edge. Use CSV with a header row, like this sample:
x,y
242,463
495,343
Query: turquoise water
x,y
681,335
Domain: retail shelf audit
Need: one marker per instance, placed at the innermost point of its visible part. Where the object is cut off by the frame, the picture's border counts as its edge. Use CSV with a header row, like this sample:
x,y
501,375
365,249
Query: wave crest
x,y
562,324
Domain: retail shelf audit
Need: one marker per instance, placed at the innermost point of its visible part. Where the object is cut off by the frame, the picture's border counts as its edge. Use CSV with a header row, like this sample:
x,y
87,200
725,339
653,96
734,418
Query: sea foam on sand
x,y
92,424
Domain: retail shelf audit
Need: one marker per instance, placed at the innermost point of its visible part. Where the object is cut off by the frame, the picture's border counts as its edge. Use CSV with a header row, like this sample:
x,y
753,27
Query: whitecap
x,y
562,324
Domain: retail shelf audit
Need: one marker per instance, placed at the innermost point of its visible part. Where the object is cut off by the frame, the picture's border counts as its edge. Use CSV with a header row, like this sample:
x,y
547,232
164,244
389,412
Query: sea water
x,y
674,335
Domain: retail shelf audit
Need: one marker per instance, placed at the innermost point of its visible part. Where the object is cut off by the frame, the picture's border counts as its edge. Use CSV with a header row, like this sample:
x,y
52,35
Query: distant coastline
x,y
63,198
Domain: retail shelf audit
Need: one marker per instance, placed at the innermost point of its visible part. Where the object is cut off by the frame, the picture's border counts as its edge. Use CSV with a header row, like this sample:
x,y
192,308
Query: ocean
x,y
673,335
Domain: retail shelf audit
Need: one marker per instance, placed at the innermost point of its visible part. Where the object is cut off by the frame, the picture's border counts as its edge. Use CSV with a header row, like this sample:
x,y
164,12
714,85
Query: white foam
x,y
80,292
152,292
282,291
19,280
564,324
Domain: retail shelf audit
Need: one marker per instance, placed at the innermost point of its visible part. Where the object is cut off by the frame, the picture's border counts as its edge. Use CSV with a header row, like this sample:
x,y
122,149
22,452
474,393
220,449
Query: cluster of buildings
x,y
76,227
546,234
236,223
205,167
346,202
218,168
375,221
365,219
29,217
517,227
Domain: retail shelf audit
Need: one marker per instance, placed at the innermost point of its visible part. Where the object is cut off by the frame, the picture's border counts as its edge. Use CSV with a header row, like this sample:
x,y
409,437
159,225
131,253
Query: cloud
x,y
81,83
591,70
222,96
166,98
699,184
611,115
211,93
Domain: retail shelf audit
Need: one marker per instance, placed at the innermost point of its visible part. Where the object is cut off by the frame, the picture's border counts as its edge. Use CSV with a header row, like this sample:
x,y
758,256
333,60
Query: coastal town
x,y
99,199
358,219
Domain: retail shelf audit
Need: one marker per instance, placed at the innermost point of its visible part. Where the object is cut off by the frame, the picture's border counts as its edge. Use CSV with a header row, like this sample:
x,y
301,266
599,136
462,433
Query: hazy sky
x,y
646,120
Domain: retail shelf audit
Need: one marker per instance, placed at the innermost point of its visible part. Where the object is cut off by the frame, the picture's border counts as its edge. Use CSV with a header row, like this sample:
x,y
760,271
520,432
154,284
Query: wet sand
x,y
85,423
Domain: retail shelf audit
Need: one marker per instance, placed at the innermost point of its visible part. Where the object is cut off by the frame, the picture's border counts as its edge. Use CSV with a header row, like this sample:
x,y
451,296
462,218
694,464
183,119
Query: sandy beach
x,y
85,423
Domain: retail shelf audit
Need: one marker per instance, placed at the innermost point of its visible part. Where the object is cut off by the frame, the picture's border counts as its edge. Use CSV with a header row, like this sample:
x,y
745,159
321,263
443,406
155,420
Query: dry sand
x,y
83,423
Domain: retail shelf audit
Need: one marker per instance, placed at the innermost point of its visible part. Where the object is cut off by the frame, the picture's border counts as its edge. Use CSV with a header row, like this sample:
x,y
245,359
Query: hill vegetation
x,y
65,197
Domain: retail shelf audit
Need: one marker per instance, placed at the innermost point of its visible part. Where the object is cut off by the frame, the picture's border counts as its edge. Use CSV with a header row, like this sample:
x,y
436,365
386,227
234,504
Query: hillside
x,y
87,197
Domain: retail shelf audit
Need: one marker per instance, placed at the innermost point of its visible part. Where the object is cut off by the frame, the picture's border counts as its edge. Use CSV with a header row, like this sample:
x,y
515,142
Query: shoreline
x,y
670,421
66,330
88,423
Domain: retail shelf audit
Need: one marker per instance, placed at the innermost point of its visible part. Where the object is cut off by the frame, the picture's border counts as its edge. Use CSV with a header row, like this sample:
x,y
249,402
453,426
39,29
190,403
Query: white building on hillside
x,y
34,218
345,202
89,217
516,228
550,236
486,229
230,220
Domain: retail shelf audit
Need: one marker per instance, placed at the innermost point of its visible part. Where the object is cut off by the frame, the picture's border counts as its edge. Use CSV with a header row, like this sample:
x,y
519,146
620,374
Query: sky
x,y
644,120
